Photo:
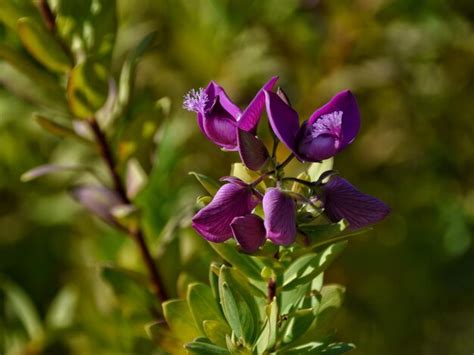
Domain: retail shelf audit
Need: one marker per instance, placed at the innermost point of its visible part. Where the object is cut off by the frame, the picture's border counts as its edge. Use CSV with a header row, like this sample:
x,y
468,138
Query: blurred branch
x,y
135,232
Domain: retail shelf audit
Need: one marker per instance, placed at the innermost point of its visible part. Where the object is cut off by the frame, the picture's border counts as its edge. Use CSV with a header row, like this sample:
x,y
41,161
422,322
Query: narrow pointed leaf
x,y
201,348
49,169
307,267
209,184
42,45
136,178
87,88
241,261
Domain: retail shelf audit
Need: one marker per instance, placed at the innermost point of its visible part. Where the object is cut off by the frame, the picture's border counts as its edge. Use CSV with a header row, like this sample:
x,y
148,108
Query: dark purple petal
x,y
317,148
249,232
251,116
280,216
253,152
213,221
343,200
283,120
345,102
220,127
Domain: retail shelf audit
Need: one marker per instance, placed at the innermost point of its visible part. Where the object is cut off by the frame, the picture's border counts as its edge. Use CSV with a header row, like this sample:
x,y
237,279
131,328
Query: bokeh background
x,y
410,281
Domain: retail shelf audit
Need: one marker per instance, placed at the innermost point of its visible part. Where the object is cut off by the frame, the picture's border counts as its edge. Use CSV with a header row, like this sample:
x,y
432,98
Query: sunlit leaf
x,y
42,45
87,88
180,320
47,169
203,305
136,178
62,310
209,184
307,267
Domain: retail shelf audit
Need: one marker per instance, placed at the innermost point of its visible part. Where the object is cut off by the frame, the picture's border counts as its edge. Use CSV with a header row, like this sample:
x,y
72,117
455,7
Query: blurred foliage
x,y
409,283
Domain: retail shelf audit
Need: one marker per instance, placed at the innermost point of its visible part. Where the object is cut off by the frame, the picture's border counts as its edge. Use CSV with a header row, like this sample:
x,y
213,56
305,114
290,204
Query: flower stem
x,y
299,181
137,232
285,162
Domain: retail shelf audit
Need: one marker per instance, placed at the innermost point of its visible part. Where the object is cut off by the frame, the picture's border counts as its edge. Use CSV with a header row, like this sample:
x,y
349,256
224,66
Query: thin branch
x,y
136,233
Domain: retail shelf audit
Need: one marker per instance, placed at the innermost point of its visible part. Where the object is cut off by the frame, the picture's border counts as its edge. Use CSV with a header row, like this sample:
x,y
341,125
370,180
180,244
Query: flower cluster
x,y
234,210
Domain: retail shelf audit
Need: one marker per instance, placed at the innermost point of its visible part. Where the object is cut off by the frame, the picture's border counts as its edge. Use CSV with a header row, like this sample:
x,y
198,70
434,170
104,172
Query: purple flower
x,y
232,200
218,117
329,130
342,200
249,232
280,216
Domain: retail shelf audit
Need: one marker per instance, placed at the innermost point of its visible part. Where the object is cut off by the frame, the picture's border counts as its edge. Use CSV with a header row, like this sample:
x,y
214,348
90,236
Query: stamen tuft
x,y
195,100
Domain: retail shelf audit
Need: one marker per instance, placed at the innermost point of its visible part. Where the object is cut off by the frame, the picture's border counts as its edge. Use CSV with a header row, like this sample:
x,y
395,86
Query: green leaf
x,y
243,262
47,169
316,169
180,320
87,88
129,284
209,184
62,310
307,267
203,306
136,178
240,171
23,308
41,45
268,336
28,68
127,76
319,348
56,128
88,26
202,348
239,306
301,319
216,331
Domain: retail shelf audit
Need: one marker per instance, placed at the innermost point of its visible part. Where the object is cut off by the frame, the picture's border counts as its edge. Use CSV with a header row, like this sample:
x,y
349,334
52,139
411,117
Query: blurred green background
x,y
410,281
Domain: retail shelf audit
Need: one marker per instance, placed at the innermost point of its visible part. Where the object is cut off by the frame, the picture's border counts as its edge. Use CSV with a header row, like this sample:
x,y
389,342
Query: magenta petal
x,y
213,221
280,216
214,91
251,116
249,232
220,127
343,200
343,101
253,152
283,120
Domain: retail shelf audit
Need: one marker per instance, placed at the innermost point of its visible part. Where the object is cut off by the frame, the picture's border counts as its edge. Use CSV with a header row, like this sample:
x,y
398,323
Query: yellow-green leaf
x,y
42,45
87,88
